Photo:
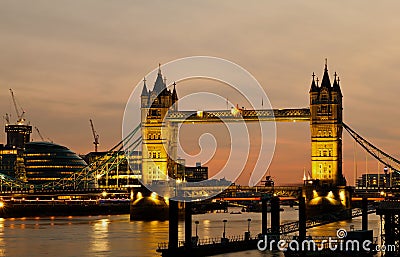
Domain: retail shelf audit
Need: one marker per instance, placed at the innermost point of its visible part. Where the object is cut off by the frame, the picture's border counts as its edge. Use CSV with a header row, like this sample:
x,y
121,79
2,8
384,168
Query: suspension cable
x,y
380,155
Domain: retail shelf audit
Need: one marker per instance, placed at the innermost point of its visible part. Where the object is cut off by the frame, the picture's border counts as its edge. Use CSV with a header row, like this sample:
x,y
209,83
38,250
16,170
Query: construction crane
x,y
7,118
40,135
20,116
95,136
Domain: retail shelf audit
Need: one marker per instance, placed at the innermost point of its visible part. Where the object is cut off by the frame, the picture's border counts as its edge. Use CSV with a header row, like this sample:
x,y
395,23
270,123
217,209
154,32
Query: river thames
x,y
116,235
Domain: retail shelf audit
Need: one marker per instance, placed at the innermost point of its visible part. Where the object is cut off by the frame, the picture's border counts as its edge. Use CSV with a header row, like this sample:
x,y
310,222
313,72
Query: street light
x,y
248,225
385,170
197,223
224,221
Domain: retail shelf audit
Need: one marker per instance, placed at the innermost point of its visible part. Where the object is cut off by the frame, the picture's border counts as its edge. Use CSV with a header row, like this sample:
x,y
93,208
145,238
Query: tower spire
x,y
159,85
144,90
326,82
336,86
314,87
174,94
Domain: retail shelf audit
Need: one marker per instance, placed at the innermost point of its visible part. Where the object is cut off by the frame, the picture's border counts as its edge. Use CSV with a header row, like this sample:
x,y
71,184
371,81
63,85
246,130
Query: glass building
x,y
46,162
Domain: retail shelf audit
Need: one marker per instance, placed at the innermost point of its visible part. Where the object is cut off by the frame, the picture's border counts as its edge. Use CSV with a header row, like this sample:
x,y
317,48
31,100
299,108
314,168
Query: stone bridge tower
x,y
159,137
326,131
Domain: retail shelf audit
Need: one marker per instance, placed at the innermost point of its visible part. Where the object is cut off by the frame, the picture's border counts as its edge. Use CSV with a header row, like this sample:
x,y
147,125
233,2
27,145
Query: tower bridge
x,y
160,116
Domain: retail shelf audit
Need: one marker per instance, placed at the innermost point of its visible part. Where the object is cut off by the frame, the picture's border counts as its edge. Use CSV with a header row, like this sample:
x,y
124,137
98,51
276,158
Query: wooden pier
x,y
193,246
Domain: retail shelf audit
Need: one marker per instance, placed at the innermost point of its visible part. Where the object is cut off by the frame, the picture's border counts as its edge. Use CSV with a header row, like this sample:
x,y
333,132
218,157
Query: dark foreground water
x,y
117,236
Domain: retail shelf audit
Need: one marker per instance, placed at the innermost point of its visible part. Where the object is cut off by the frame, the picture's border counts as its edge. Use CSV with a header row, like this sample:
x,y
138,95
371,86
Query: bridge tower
x,y
159,137
326,130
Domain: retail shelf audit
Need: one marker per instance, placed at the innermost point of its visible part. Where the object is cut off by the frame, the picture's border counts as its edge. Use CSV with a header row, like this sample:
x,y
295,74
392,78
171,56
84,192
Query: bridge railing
x,y
209,241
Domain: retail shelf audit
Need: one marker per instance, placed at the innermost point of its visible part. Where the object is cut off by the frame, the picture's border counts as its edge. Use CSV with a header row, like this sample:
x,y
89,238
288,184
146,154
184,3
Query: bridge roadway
x,y
235,115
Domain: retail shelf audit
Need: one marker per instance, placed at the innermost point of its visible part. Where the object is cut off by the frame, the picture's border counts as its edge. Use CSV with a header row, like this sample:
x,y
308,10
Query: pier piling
x,y
364,213
264,217
188,225
275,216
173,225
302,219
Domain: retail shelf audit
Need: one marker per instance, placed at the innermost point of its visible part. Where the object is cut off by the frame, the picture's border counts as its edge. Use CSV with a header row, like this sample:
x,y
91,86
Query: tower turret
x,y
145,94
174,98
314,90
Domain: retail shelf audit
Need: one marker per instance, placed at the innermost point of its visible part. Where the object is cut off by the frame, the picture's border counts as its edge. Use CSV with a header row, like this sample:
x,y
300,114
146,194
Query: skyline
x,y
67,63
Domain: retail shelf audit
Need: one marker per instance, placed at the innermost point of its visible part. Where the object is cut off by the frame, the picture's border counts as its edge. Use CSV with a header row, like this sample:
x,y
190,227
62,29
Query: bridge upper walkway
x,y
234,115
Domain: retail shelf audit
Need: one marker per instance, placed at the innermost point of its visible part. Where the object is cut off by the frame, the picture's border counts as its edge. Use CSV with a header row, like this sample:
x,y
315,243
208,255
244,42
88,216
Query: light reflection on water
x,y
100,241
117,236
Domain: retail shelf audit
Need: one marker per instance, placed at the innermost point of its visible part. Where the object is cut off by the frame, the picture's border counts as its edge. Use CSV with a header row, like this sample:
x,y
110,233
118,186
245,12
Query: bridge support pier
x,y
188,225
173,225
302,219
364,221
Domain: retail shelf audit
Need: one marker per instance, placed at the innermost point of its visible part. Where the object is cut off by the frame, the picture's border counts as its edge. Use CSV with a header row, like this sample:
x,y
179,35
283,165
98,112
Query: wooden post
x,y
275,217
188,225
173,225
264,216
302,219
364,213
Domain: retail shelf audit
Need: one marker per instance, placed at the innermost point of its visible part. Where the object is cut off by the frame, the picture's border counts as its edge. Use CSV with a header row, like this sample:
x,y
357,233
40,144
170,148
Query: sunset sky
x,y
69,61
